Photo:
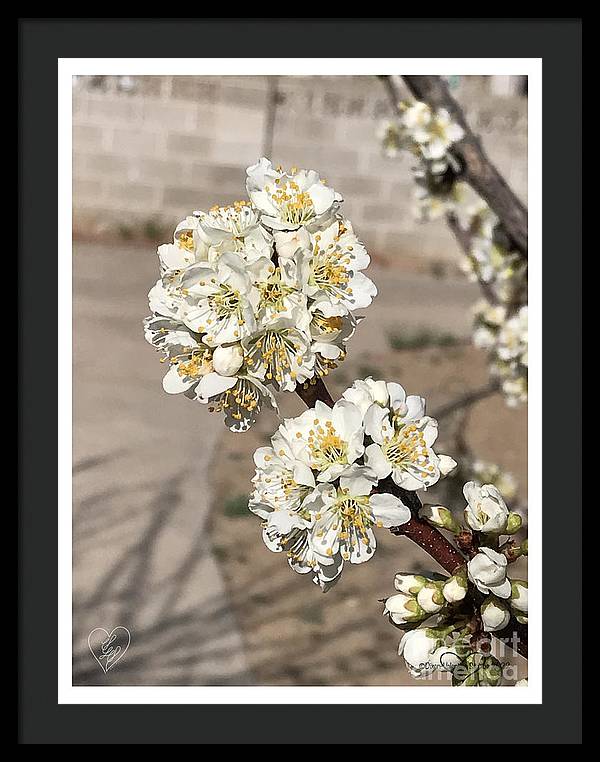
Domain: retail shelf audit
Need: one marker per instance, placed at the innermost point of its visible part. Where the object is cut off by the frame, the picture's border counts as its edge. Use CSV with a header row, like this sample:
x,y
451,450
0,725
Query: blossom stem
x,y
422,534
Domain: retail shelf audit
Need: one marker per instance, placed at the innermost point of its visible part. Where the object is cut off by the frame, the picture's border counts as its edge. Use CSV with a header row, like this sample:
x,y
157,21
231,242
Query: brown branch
x,y
477,169
467,399
420,532
464,240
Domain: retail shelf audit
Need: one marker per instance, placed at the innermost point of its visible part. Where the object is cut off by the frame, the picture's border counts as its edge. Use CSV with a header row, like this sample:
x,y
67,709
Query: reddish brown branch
x,y
432,541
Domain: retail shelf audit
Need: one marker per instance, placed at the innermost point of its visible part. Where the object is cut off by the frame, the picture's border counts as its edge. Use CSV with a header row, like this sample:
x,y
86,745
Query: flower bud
x,y
513,523
487,571
446,464
409,583
525,547
519,597
494,615
430,598
403,609
417,647
228,360
455,588
439,517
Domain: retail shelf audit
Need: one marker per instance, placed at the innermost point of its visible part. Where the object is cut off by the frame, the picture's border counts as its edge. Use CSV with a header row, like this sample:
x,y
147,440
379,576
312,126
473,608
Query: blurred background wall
x,y
148,150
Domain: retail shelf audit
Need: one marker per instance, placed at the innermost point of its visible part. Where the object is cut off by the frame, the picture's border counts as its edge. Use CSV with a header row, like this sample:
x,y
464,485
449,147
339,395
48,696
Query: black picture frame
x,y
41,719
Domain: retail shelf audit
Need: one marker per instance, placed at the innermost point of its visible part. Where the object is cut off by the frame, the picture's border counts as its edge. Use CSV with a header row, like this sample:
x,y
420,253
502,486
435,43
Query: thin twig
x,y
467,399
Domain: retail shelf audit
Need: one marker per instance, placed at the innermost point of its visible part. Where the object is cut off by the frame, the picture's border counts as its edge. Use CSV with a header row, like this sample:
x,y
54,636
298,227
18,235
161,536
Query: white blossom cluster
x,y
324,484
500,324
437,612
429,135
259,296
506,340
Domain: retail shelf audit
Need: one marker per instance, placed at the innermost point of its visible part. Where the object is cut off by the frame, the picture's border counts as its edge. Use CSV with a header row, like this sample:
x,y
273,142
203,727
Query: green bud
x,y
513,523
439,517
524,547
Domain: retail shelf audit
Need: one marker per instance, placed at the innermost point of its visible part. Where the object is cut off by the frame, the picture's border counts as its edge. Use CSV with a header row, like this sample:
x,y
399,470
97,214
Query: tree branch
x,y
420,532
467,399
477,169
464,240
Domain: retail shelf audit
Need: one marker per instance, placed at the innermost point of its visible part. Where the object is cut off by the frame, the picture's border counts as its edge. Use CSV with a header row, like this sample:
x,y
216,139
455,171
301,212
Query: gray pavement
x,y
142,493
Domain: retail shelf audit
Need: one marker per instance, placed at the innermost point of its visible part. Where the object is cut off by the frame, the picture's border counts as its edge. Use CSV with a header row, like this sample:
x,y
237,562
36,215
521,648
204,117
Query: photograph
x,y
319,476
314,295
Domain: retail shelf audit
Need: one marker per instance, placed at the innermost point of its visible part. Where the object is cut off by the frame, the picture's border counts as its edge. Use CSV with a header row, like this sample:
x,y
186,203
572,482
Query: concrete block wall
x,y
149,150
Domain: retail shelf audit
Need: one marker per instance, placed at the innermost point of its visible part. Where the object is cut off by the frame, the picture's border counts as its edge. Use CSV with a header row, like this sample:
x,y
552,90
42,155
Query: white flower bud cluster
x,y
259,296
428,134
500,324
444,609
318,486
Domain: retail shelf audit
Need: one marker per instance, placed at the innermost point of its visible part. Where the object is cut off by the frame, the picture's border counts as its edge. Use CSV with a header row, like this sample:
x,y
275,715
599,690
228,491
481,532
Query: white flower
x,y
494,615
434,131
280,355
513,338
175,257
166,300
332,268
236,228
405,450
330,328
417,647
487,571
522,683
519,598
190,240
189,359
280,482
278,295
367,392
344,517
239,398
328,440
192,372
417,118
403,609
486,510
290,200
220,301
227,360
